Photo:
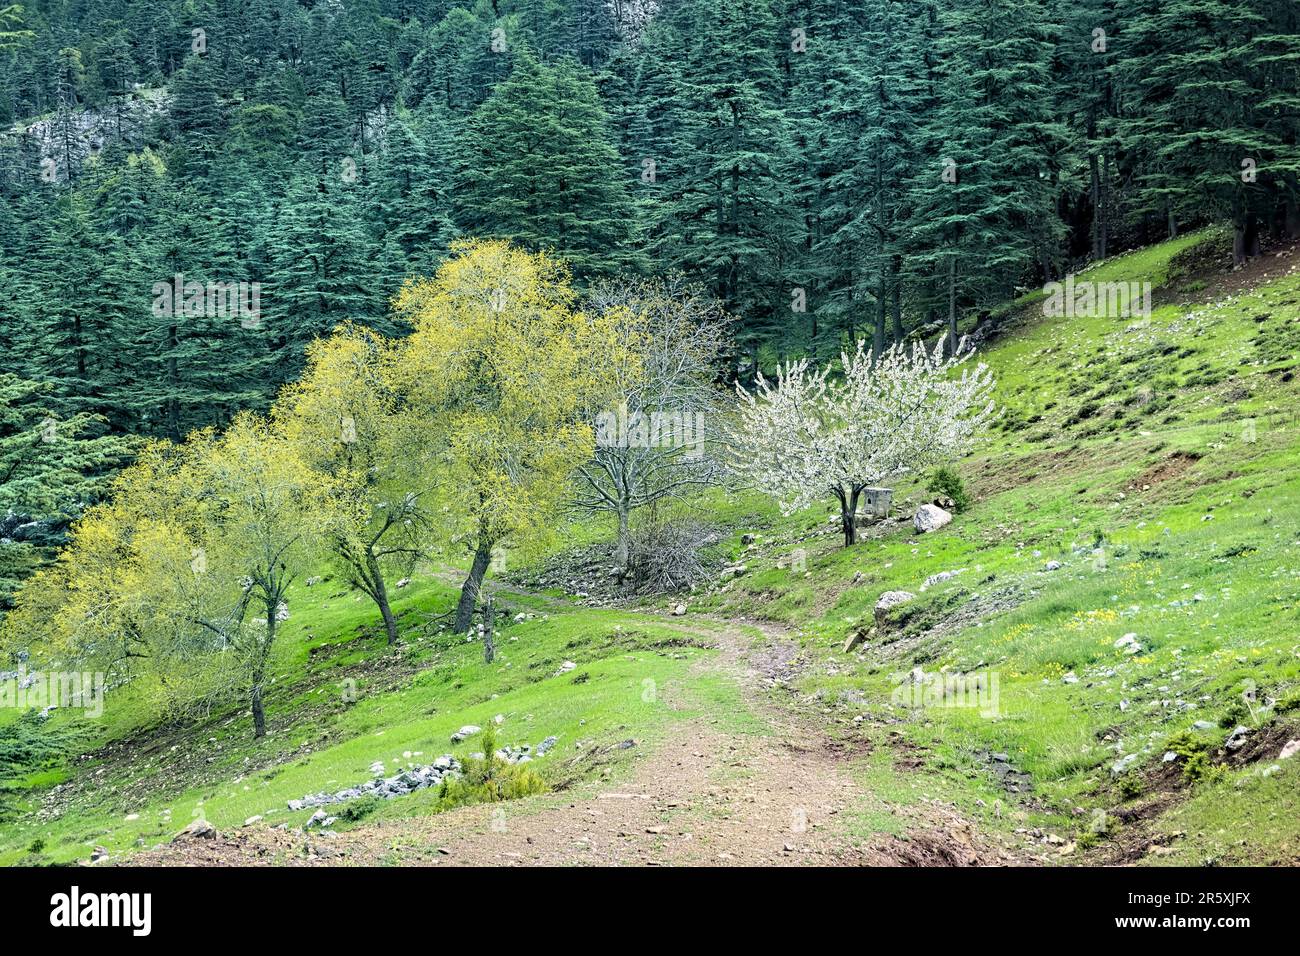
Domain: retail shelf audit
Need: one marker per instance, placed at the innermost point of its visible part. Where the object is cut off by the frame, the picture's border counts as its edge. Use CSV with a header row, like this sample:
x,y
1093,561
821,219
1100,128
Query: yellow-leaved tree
x,y
500,366
180,580
345,420
106,604
262,512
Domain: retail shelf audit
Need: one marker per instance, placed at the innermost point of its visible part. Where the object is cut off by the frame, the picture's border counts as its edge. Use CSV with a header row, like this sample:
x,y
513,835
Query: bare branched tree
x,y
658,440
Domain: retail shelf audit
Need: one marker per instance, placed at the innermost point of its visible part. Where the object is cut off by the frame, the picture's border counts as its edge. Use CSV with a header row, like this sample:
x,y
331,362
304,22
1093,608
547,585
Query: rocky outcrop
x,y
71,137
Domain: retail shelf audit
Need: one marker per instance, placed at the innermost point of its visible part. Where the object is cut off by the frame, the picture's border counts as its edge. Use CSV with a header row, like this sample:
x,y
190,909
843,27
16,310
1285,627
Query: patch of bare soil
x,y
708,795
1206,274
1165,786
1172,466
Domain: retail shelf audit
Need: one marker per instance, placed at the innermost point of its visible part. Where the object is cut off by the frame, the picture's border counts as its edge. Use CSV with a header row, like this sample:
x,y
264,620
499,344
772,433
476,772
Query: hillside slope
x,y
1143,484
1140,483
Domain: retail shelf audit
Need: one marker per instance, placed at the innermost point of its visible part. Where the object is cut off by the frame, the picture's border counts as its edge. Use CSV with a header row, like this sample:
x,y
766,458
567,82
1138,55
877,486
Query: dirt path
x,y
705,796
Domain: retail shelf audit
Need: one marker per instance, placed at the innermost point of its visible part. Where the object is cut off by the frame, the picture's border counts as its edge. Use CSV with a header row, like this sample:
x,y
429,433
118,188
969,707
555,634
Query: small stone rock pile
x,y
416,778
408,781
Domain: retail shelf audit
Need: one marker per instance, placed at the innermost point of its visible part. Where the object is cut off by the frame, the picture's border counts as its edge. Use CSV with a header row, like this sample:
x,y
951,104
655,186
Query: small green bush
x,y
1289,702
491,779
946,482
1130,786
360,809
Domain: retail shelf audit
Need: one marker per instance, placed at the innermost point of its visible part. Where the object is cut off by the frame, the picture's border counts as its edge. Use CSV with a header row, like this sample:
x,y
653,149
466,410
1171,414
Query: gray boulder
x,y
469,730
930,518
890,600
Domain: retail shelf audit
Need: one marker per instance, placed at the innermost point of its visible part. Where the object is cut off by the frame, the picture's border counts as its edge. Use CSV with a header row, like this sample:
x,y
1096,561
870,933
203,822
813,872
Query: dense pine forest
x,y
828,170
706,431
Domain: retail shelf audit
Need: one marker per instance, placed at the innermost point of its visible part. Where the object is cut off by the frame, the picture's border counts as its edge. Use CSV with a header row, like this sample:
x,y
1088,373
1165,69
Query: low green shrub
x,y
490,779
946,482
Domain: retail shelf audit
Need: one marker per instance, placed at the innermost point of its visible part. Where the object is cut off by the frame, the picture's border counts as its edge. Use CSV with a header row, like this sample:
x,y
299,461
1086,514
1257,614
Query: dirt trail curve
x,y
705,796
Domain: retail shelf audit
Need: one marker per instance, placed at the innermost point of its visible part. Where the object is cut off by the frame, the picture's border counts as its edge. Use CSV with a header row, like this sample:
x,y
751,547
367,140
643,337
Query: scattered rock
x,y
1070,678
565,668
1052,566
1291,748
890,600
858,635
414,778
1119,766
1129,644
320,819
930,518
941,576
679,610
98,854
469,730
403,583
732,571
1237,738
197,830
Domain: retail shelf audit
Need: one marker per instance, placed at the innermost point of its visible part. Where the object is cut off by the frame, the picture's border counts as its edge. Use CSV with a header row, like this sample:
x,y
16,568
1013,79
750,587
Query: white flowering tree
x,y
813,433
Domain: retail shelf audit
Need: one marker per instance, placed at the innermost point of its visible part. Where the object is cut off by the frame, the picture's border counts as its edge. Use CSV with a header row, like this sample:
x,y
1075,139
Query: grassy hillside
x,y
342,703
1148,463
1154,461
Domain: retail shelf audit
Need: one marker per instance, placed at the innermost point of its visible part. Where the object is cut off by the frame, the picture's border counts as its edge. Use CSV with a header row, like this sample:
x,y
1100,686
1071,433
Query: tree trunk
x,y
622,548
259,669
381,598
878,338
489,642
259,715
1104,208
1094,175
899,332
849,515
469,591
390,623
952,306
1292,218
